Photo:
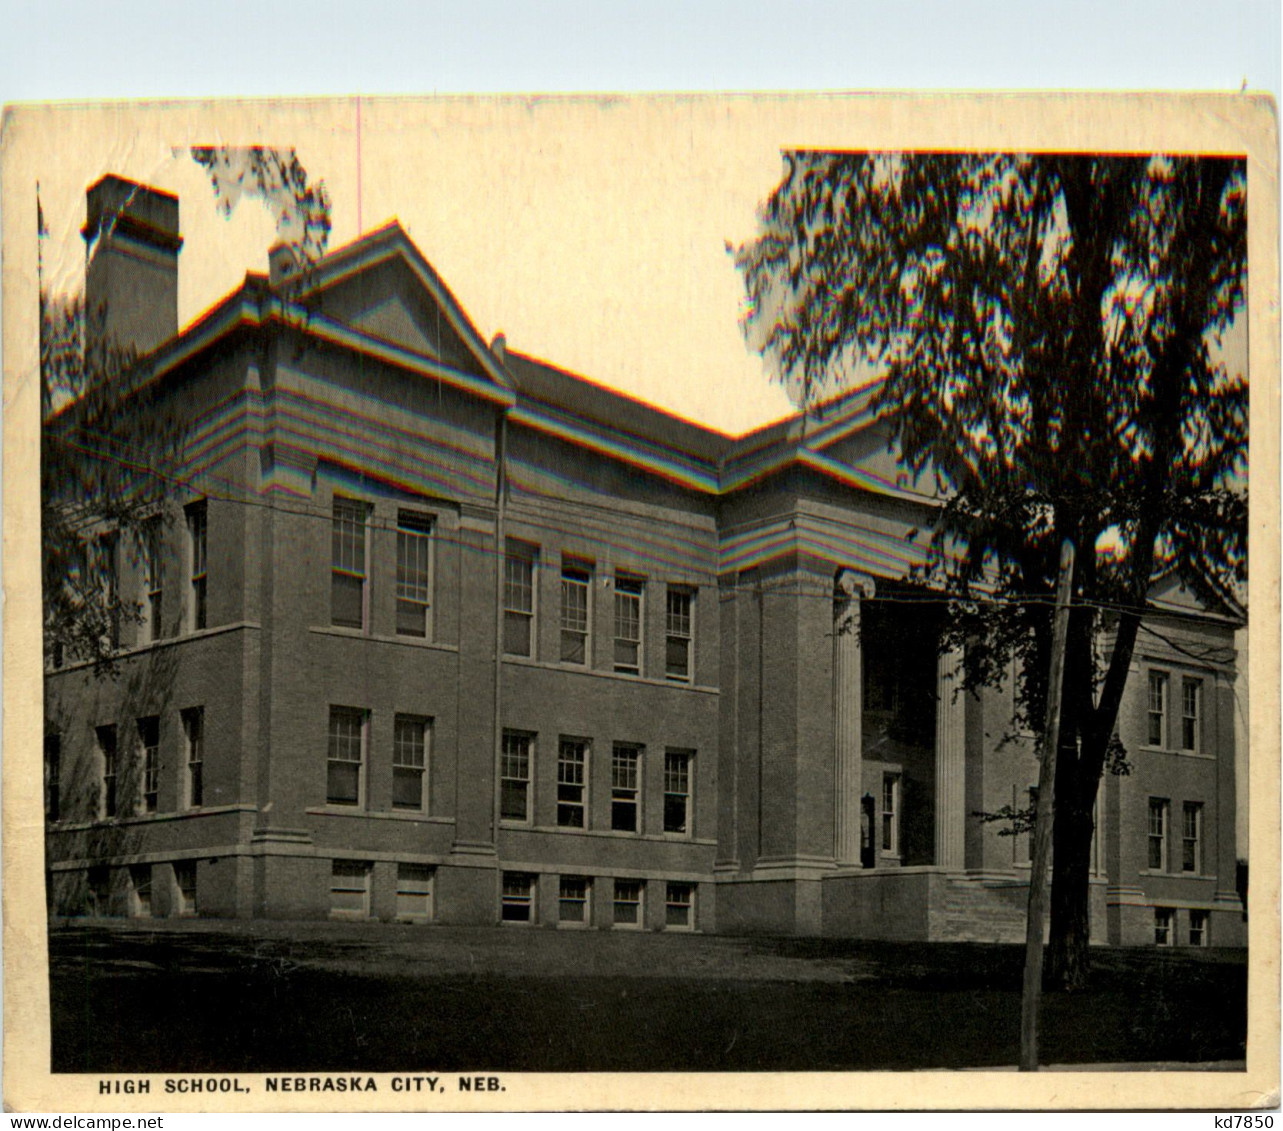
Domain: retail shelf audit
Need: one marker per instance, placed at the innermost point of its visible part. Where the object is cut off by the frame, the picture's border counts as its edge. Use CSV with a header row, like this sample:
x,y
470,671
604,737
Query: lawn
x,y
264,997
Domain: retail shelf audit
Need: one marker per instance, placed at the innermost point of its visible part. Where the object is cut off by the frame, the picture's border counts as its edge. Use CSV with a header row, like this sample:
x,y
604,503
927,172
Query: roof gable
x,y
382,287
1171,594
386,302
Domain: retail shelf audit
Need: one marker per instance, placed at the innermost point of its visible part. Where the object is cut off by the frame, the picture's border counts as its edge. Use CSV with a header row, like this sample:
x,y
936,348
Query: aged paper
x,y
474,180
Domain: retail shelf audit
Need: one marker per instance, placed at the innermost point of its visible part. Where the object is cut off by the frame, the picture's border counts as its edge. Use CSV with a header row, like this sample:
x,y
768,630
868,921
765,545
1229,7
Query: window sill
x,y
583,669
1175,875
381,638
614,834
164,642
150,818
376,814
1196,754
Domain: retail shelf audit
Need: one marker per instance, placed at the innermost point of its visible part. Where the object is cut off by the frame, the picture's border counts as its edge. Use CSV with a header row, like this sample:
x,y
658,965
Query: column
x,y
848,695
951,763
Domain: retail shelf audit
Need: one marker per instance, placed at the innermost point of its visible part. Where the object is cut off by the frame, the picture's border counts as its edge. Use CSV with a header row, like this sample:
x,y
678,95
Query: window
x,y
107,756
109,581
1198,928
573,900
679,906
346,756
53,776
628,624
1191,700
153,535
628,903
149,743
625,788
350,889
413,891
78,588
409,761
677,656
185,887
514,786
1028,838
1163,926
1157,733
518,902
1158,809
576,595
890,814
572,761
1192,837
519,599
194,737
98,897
413,574
347,577
197,559
140,894
677,791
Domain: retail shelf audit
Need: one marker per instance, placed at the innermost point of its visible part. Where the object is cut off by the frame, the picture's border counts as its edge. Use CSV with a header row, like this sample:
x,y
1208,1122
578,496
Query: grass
x,y
346,997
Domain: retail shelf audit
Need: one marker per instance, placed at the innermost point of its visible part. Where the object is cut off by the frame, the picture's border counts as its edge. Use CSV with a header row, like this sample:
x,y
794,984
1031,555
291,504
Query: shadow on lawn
x,y
173,1002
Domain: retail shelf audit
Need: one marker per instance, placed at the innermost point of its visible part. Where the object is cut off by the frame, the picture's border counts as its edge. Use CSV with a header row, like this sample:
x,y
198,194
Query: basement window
x,y
1198,928
414,892
573,900
185,887
350,889
517,904
1163,926
679,907
629,897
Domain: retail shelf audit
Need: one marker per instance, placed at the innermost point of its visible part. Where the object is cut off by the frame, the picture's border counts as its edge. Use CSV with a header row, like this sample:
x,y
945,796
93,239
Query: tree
x,y
106,473
300,208
1046,332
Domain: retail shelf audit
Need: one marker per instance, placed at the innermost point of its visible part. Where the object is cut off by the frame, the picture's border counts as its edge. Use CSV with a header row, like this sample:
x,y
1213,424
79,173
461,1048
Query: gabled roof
x,y
550,386
391,242
1209,596
537,393
294,303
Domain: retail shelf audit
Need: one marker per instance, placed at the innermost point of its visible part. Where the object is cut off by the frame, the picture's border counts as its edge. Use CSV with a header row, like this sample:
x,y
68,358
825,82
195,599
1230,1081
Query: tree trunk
x,y
1067,957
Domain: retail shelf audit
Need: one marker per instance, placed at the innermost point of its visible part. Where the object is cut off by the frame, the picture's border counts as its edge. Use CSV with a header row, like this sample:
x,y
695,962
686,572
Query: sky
x,y
592,234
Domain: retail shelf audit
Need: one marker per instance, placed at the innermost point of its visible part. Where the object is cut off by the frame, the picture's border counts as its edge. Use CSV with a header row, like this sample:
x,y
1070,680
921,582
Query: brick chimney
x,y
131,277
282,263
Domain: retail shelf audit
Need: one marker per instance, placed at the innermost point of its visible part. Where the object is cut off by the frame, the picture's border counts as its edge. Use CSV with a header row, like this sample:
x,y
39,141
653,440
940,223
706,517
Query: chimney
x,y
282,263
131,277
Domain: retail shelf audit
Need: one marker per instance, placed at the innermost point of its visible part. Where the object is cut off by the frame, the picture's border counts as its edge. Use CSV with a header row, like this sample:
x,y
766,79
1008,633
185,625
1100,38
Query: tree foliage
x,y
300,207
111,444
1048,336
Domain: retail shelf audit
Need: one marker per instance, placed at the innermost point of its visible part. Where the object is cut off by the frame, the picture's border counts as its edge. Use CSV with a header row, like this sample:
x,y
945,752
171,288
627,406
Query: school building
x,y
434,631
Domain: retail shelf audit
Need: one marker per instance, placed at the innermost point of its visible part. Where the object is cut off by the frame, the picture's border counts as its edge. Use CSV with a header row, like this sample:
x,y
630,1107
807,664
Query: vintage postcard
x,y
684,602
